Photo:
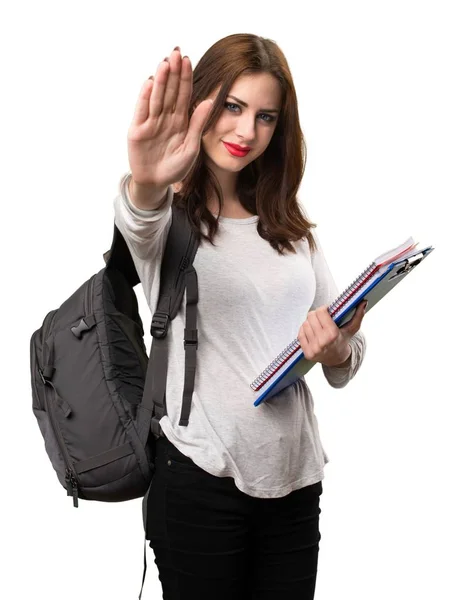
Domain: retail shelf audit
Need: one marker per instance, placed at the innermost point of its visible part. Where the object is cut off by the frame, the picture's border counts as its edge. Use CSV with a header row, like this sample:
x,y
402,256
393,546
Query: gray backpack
x,y
97,396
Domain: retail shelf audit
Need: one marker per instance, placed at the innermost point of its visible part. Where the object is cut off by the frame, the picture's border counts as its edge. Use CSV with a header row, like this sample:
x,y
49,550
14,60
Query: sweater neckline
x,y
235,221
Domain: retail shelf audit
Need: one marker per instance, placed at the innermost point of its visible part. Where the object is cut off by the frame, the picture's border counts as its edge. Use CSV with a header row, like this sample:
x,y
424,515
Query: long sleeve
x,y
326,293
143,229
145,233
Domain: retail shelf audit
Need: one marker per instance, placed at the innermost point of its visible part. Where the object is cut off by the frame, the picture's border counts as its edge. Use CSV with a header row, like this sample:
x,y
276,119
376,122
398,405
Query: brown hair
x,y
268,186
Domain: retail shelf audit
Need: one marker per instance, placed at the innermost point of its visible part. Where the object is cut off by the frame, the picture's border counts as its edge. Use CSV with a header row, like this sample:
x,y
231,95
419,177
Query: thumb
x,y
198,122
355,322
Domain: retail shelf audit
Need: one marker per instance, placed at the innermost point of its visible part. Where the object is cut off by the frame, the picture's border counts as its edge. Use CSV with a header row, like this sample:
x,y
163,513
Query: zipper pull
x,y
41,374
75,492
72,486
68,480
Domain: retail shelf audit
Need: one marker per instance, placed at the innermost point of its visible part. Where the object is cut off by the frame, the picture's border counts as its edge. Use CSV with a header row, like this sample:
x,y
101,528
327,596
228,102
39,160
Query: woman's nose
x,y
245,129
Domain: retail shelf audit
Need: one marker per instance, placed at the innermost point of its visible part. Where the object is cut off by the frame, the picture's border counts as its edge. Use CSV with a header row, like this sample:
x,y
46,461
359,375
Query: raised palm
x,y
163,142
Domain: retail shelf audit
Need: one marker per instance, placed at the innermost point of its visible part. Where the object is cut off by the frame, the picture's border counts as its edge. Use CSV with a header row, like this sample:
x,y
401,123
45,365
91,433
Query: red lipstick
x,y
237,150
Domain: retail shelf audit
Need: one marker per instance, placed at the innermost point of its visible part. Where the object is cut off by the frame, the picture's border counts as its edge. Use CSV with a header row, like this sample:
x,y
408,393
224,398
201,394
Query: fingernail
x,y
167,59
151,77
177,48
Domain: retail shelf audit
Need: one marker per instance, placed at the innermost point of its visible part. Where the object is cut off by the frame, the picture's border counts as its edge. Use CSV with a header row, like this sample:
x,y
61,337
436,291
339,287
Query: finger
x,y
159,88
325,329
173,82
197,124
309,335
306,339
325,319
359,312
355,322
314,323
141,110
302,338
185,87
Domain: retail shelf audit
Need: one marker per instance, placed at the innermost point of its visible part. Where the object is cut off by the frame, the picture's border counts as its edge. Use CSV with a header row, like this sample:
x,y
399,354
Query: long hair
x,y
268,186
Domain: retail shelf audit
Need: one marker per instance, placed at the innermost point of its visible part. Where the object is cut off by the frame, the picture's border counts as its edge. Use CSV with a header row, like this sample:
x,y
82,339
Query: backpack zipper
x,y
89,296
72,483
70,477
34,364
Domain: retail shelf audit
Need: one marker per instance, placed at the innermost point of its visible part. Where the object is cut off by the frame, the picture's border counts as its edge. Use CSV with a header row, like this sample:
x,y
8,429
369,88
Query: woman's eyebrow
x,y
268,110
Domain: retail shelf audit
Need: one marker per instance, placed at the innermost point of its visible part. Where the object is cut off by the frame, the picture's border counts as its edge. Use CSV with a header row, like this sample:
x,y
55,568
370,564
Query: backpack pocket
x,y
112,476
51,442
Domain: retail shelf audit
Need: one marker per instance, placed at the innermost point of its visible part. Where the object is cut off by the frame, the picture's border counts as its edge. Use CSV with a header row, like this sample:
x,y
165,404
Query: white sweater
x,y
252,302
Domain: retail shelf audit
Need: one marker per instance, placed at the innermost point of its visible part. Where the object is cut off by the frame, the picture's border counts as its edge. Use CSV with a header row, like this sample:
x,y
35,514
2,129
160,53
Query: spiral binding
x,y
276,364
294,346
348,292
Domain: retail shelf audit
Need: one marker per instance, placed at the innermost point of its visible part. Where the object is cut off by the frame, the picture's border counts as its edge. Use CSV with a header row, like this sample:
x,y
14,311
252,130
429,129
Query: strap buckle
x,y
190,338
160,323
155,428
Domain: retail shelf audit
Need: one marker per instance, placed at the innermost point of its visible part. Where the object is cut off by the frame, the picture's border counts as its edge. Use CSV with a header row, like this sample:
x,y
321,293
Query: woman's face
x,y
248,119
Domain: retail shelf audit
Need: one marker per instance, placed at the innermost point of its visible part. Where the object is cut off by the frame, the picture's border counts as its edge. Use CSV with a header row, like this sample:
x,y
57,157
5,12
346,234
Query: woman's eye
x,y
229,105
269,117
263,116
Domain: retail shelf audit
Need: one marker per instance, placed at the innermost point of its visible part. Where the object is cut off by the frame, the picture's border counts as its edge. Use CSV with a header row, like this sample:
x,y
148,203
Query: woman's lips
x,y
234,151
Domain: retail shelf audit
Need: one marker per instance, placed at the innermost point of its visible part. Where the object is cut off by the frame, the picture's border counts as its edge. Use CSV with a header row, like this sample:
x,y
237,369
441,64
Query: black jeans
x,y
212,541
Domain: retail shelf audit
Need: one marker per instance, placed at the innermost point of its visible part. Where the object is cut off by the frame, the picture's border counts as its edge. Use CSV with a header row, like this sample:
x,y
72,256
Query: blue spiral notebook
x,y
380,277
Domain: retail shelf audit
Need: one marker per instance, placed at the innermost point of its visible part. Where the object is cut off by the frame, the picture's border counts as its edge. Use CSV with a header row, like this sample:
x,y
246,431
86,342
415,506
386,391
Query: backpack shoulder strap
x,y
179,254
177,275
119,257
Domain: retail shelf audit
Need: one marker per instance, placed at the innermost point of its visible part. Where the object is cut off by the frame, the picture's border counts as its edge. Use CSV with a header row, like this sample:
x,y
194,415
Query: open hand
x,y
163,142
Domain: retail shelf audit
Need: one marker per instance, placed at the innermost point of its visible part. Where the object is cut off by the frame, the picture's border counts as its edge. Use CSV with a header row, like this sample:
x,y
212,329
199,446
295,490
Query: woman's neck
x,y
232,207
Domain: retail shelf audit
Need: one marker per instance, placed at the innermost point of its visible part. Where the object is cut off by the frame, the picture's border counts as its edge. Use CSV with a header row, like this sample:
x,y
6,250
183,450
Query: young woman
x,y
233,508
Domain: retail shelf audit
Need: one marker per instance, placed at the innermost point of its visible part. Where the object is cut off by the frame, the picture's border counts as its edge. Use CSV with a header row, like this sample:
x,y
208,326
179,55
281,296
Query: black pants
x,y
212,541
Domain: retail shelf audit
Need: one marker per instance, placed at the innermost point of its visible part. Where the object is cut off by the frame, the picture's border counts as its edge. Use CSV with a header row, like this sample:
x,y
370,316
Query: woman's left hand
x,y
323,341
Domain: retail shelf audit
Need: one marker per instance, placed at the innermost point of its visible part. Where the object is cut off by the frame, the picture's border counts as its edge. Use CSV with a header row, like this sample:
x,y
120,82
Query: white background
x,y
372,81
